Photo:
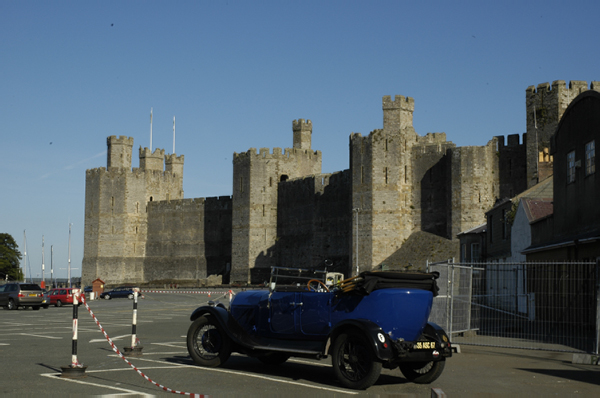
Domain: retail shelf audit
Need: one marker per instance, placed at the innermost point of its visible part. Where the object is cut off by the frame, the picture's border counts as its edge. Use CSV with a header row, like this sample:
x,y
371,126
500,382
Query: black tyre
x,y
423,372
107,297
354,362
58,303
35,307
273,358
207,343
11,305
130,296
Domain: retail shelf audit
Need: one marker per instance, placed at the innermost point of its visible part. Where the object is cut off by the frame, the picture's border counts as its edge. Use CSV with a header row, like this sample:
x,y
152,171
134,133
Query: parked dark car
x,y
15,295
120,292
87,289
373,321
61,296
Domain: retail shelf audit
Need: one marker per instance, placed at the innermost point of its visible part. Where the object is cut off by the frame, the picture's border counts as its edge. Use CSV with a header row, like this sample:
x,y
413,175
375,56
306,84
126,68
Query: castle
x,y
284,211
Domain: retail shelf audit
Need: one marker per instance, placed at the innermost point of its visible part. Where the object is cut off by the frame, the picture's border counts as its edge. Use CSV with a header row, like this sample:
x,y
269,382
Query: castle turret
x,y
545,107
119,151
397,113
174,164
152,161
302,133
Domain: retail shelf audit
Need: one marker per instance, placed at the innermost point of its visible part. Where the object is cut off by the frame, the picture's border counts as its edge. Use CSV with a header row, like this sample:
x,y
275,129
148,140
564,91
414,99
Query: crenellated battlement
x,y
121,140
399,102
432,138
513,140
147,153
276,154
173,158
302,124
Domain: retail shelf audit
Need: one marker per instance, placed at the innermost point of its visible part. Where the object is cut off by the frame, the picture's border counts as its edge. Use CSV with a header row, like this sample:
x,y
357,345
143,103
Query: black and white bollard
x,y
135,350
74,370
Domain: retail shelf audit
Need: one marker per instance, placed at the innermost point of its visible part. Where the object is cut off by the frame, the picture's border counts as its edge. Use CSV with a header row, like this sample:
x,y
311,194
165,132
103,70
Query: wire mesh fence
x,y
541,306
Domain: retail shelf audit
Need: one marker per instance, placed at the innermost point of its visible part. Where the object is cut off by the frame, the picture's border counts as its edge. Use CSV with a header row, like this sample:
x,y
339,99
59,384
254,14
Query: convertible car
x,y
372,321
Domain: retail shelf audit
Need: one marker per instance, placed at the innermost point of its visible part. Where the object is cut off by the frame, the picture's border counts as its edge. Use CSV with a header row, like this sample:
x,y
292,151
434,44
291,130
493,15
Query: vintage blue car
x,y
373,321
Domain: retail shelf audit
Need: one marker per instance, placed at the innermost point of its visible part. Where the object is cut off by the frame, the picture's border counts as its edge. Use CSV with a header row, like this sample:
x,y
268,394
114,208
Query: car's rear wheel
x,y
423,372
354,362
58,303
130,296
207,342
273,358
11,305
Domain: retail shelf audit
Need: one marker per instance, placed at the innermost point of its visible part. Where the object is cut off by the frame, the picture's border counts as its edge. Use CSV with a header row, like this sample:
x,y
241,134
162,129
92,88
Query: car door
x,y
315,315
283,309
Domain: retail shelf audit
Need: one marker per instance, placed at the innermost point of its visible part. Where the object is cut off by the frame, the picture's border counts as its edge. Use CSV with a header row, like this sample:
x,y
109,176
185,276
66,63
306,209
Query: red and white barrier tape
x,y
115,349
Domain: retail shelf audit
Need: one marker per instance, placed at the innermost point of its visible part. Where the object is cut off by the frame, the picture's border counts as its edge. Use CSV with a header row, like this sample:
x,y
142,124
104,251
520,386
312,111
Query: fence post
x,y
452,302
470,298
597,306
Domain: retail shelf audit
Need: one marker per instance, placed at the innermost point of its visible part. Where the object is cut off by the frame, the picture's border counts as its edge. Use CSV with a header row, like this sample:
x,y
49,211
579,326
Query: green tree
x,y
9,258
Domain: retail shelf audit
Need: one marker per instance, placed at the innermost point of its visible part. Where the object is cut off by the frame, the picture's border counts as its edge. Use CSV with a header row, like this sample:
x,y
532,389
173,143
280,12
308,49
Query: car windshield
x,y
30,286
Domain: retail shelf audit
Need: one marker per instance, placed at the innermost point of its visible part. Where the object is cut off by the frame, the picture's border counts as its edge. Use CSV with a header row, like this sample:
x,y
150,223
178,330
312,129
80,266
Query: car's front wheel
x,y
422,372
130,296
207,342
11,305
107,297
354,362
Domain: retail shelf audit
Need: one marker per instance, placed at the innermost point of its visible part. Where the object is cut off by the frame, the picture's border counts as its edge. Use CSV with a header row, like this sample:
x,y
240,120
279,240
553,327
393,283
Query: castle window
x,y
570,167
112,200
362,174
137,207
385,172
270,181
263,210
386,144
475,252
241,184
405,174
590,158
284,177
151,198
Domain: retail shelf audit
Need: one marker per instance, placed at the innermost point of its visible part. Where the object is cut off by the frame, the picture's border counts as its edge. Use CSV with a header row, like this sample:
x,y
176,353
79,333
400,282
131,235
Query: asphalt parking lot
x,y
35,344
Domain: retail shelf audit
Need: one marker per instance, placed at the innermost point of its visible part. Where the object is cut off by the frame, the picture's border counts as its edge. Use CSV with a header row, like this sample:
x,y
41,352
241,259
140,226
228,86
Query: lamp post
x,y
356,210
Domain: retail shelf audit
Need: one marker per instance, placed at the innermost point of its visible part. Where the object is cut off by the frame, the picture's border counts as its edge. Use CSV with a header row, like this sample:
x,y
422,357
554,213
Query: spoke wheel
x,y
354,362
422,372
207,343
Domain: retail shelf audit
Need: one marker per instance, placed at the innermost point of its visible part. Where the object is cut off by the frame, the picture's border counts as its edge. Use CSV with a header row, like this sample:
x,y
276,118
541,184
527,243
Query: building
x,y
401,188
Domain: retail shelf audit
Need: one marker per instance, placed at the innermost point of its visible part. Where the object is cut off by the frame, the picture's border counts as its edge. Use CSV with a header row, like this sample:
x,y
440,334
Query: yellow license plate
x,y
425,345
32,295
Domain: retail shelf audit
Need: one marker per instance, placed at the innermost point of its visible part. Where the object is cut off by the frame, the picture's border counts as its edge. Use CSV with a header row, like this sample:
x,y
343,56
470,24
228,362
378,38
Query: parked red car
x,y
61,296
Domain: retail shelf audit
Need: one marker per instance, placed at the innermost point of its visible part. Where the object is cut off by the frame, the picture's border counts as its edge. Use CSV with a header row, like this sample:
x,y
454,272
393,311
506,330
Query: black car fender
x,y
225,320
380,341
434,332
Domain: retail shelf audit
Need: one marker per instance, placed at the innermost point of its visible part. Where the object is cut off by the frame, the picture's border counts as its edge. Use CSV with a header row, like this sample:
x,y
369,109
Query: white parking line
x,y
112,338
37,335
274,379
87,383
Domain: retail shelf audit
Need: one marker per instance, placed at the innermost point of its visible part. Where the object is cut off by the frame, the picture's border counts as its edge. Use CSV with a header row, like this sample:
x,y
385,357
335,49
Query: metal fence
x,y
541,306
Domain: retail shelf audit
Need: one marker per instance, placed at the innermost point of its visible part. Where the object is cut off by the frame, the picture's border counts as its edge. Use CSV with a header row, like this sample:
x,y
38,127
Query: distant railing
x,y
542,306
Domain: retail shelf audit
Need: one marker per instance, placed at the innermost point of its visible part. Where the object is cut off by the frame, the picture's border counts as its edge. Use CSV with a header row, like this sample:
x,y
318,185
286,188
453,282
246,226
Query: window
x,y
590,158
570,167
475,252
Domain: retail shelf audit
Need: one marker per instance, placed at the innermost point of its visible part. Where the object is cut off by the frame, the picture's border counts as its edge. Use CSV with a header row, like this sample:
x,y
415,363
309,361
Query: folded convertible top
x,y
369,281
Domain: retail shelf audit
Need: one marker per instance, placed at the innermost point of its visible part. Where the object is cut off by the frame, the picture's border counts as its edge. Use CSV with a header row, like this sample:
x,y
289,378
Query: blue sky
x,y
235,74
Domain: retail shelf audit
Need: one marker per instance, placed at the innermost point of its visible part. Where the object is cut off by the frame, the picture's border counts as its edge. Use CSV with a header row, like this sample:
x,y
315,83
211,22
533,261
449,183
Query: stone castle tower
x,y
256,177
400,188
116,214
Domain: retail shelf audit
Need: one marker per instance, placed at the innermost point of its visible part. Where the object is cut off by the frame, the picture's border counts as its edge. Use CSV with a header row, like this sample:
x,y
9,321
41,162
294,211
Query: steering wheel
x,y
319,282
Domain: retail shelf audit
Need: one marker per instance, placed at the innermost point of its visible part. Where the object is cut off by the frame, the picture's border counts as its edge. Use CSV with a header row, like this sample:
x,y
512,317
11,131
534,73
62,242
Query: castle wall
x,y
314,221
188,239
254,228
473,185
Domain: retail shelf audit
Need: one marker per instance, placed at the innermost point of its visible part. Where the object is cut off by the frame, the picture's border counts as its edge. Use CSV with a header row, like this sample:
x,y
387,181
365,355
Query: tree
x,y
9,258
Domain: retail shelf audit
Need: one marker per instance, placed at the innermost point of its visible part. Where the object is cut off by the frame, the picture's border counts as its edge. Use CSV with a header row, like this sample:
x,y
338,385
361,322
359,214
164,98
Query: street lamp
x,y
356,210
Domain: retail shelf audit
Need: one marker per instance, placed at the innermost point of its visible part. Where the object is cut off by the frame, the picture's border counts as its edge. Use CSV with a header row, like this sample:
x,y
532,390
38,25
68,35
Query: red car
x,y
61,296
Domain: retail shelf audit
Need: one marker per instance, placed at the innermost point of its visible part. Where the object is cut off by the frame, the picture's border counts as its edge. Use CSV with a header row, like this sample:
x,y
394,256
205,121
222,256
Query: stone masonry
x,y
400,187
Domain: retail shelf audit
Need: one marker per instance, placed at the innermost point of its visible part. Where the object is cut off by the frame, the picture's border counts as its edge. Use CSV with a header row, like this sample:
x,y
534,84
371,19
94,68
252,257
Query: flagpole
x,y
150,130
